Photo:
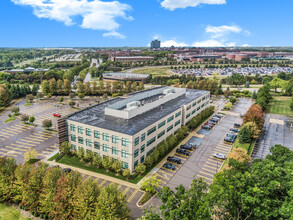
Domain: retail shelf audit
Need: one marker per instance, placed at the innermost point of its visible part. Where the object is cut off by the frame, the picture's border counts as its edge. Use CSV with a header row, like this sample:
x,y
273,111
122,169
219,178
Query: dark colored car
x,y
209,123
207,127
232,136
66,170
182,151
212,122
229,140
237,125
186,147
235,130
174,160
169,166
218,116
216,119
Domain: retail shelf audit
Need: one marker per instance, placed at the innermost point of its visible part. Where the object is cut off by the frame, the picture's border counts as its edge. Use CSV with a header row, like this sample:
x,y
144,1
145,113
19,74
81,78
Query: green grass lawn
x,y
54,157
9,119
8,212
280,105
27,104
155,71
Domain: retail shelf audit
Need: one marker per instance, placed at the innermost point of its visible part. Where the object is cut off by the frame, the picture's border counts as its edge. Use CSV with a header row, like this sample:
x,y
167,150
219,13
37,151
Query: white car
x,y
220,156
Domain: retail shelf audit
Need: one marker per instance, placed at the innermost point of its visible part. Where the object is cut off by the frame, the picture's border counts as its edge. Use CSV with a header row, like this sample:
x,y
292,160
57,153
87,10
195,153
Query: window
x,y
198,101
97,145
170,119
115,151
80,140
80,130
150,151
142,148
188,107
136,141
178,114
88,143
105,137
202,105
151,141
194,104
88,132
193,111
142,137
188,115
170,128
161,134
161,124
177,123
198,108
151,130
124,165
72,127
115,139
203,98
106,148
135,164
125,142
73,137
97,134
142,159
73,147
124,154
136,153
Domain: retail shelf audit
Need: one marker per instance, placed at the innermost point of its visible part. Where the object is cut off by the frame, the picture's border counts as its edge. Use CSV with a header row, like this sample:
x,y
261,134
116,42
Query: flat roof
x,y
121,75
95,115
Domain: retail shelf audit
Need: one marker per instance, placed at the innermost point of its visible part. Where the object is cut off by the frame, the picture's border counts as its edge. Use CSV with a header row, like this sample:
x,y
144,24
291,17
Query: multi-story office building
x,y
155,44
130,128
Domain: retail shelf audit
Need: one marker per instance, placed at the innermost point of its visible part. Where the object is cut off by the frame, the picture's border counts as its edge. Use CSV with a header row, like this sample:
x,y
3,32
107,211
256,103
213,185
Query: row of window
x,y
105,136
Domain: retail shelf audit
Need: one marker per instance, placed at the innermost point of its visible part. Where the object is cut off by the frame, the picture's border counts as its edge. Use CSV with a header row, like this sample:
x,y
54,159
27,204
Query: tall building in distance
x,y
155,44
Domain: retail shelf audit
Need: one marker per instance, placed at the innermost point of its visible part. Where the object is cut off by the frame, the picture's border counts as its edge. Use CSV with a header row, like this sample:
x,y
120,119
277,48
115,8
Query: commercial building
x,y
155,44
130,128
125,77
132,59
27,70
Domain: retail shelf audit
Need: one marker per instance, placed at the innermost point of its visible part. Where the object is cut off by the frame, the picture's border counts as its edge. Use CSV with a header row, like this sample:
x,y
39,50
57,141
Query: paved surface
x,y
278,129
16,138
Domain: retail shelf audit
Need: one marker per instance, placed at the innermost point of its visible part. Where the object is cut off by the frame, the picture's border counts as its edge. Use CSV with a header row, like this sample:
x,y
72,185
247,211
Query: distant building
x,y
125,77
132,59
155,44
27,70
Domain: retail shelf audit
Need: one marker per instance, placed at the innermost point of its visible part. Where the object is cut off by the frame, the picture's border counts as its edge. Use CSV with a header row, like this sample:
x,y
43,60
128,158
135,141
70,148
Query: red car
x,y
57,115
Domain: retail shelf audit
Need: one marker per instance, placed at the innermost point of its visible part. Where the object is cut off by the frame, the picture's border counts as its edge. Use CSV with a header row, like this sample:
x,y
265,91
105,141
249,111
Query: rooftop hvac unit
x,y
168,91
134,103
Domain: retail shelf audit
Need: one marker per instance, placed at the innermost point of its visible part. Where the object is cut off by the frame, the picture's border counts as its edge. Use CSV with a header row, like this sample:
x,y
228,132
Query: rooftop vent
x,y
131,104
168,91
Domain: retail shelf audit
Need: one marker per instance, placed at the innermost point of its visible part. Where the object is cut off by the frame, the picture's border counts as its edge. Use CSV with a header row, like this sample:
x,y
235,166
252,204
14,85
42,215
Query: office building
x,y
130,128
155,44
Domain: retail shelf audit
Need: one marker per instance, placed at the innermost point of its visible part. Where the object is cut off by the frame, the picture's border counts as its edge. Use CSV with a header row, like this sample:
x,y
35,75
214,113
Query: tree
x,y
80,95
67,86
105,96
5,95
72,95
228,106
15,110
254,96
87,88
40,95
65,147
61,99
31,119
253,129
97,161
244,136
150,185
276,83
254,114
72,103
236,79
30,154
29,98
227,93
107,163
80,153
35,89
45,87
111,204
59,86
53,86
80,87
140,168
47,123
117,166
24,118
126,173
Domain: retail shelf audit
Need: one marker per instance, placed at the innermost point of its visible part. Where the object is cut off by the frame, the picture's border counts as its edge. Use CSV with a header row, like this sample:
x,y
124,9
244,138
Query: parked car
x,y
235,130
174,160
216,119
211,101
241,115
56,105
97,101
212,122
182,151
169,166
66,170
91,104
207,127
229,140
237,125
186,147
220,156
57,115
232,136
218,116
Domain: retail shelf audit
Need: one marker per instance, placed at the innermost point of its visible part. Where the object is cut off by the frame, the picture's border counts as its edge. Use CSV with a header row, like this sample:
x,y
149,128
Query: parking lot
x,y
201,162
16,138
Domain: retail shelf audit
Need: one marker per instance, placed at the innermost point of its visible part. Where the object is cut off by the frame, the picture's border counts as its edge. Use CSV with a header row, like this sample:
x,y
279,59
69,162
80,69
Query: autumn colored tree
x,y
254,114
254,131
80,87
59,86
53,86
87,88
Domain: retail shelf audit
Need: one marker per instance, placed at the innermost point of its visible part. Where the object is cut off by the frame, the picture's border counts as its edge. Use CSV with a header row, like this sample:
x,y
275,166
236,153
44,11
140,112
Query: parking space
x,y
201,162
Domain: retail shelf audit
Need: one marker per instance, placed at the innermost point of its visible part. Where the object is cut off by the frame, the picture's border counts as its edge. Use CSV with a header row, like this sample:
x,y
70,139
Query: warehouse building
x,y
130,128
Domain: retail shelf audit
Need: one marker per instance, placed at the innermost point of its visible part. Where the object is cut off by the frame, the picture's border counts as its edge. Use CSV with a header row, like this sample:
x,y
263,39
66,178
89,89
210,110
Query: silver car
x,y
220,156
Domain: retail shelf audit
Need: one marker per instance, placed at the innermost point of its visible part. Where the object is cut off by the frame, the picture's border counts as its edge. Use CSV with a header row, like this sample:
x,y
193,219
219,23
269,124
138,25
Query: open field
x,y
8,212
155,71
280,105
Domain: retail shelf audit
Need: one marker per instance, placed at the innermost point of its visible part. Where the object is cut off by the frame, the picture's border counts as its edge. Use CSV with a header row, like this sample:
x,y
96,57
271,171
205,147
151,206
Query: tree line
x,y
50,193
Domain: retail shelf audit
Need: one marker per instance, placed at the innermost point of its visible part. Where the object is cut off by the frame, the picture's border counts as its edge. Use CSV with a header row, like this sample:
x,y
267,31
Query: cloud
x,y
245,45
220,31
114,34
95,14
213,43
174,4
174,43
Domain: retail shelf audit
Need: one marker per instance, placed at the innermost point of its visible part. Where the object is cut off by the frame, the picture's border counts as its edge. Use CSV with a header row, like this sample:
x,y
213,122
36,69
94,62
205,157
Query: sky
x,y
134,23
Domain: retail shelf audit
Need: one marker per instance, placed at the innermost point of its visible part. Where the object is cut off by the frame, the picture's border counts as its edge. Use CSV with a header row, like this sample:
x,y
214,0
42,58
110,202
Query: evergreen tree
x,y
244,136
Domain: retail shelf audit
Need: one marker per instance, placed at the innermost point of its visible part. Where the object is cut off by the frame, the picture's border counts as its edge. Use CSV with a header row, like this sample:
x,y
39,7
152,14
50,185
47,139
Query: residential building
x,y
130,128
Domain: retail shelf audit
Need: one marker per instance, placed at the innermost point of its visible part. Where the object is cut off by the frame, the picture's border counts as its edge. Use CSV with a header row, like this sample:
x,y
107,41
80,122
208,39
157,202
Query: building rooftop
x,y
95,115
121,75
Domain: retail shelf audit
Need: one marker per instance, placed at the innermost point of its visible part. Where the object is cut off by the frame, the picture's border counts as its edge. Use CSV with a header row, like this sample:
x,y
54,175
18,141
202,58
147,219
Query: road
x,y
277,130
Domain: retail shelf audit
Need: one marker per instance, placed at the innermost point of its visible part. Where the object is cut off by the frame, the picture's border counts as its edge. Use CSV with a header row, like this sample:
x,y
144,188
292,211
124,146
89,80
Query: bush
x,y
24,118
